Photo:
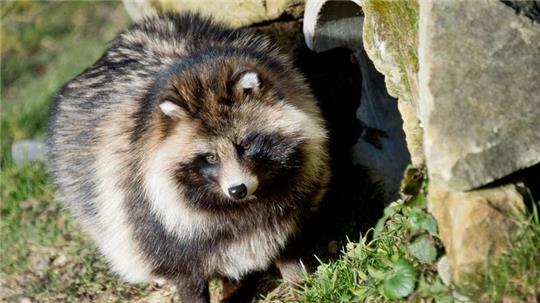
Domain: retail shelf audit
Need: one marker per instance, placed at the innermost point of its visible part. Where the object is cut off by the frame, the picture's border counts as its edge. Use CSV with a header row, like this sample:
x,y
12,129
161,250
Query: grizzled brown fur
x,y
189,151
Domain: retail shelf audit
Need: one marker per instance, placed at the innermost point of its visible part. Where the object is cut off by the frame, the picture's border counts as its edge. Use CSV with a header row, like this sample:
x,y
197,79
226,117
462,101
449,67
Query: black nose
x,y
238,191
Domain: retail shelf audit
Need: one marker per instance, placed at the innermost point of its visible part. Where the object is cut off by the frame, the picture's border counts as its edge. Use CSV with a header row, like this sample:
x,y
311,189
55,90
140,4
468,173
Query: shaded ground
x,y
45,256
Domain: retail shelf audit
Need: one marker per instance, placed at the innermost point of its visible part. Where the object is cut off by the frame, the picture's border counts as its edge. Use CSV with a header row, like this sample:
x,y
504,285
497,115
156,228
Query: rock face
x,y
479,102
475,225
480,92
235,13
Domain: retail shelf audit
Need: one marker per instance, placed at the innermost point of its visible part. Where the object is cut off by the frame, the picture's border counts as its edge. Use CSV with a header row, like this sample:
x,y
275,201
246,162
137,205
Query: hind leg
x,y
193,290
239,291
290,270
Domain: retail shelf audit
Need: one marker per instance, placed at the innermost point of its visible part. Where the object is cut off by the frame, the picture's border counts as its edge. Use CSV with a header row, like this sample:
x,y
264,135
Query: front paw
x,y
292,271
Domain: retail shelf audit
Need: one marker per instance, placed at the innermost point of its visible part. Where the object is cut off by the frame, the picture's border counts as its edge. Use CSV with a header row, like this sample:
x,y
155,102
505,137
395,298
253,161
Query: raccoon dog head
x,y
233,131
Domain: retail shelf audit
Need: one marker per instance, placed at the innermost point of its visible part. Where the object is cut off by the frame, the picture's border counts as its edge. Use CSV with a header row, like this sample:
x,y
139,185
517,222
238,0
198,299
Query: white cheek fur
x,y
167,201
115,237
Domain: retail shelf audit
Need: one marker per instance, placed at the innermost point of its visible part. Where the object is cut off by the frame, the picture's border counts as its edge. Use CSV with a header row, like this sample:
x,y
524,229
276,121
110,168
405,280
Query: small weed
x,y
395,260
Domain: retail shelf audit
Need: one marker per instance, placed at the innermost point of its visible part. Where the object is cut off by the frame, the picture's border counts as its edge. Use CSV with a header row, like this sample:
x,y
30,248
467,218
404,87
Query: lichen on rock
x,y
391,41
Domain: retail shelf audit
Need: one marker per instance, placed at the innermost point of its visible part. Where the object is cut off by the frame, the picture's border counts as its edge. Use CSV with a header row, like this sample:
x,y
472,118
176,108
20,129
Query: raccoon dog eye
x,y
212,158
246,146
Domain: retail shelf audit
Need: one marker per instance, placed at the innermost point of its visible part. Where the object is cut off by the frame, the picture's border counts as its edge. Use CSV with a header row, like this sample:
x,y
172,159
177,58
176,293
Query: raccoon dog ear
x,y
171,109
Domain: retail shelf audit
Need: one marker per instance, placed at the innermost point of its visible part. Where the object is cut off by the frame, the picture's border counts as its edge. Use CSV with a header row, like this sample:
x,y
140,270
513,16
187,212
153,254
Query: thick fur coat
x,y
189,151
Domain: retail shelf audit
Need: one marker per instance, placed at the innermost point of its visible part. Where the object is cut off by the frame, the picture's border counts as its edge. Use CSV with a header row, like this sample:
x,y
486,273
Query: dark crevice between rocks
x,y
531,187
529,9
353,203
527,183
532,181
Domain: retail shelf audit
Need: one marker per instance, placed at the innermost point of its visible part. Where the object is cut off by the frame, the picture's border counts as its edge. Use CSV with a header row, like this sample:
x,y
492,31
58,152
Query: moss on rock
x,y
392,44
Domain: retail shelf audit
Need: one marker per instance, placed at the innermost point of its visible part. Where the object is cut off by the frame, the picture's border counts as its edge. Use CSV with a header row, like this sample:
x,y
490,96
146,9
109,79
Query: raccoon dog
x,y
189,151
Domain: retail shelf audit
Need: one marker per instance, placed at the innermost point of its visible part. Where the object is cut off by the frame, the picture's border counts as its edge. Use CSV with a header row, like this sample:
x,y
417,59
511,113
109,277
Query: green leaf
x,y
420,221
401,281
423,287
417,201
377,274
446,298
383,257
423,249
438,288
360,293
379,227
362,275
345,298
389,211
393,207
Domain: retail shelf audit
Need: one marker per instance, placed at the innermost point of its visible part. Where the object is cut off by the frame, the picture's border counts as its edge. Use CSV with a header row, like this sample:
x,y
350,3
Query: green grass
x,y
44,45
513,276
18,185
45,256
371,270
